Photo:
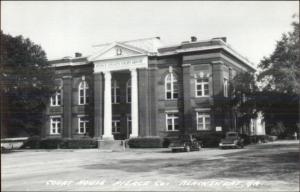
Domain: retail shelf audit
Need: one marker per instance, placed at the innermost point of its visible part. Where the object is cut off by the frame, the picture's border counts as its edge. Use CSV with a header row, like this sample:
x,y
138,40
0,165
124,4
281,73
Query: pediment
x,y
115,51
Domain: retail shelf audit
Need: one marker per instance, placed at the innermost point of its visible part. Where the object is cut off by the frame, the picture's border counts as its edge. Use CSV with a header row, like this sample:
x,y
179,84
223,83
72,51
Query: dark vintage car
x,y
232,140
185,143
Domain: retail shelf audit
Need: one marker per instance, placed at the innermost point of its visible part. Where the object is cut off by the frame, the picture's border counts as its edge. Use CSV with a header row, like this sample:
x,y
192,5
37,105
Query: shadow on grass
x,y
253,163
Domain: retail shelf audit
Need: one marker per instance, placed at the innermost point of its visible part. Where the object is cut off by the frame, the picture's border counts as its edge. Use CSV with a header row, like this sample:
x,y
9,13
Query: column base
x,y
107,137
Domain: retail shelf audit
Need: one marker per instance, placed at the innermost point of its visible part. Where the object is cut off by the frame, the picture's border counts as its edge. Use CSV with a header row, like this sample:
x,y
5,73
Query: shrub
x,y
83,143
32,143
52,143
271,137
146,142
80,143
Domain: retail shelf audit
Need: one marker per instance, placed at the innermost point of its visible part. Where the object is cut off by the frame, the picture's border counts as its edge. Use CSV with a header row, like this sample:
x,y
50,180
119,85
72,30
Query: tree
x,y
280,79
26,85
240,106
243,98
281,71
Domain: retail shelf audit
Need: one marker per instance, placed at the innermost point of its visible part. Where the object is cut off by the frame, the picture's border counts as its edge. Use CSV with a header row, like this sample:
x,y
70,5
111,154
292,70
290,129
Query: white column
x,y
134,104
107,107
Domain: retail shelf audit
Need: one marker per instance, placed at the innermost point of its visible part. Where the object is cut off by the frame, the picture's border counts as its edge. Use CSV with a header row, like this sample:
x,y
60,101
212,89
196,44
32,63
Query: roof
x,y
154,46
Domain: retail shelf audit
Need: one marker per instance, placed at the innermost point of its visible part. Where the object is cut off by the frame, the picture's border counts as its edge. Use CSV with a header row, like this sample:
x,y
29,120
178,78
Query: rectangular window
x,y
55,100
225,87
116,126
203,121
202,87
83,125
172,121
55,125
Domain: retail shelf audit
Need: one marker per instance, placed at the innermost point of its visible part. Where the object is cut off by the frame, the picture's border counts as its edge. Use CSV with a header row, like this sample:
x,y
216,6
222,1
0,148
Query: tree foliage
x,y
26,84
240,106
243,98
280,79
281,70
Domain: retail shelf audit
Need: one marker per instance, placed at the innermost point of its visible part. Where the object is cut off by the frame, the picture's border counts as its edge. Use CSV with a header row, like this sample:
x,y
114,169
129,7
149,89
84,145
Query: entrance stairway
x,y
112,145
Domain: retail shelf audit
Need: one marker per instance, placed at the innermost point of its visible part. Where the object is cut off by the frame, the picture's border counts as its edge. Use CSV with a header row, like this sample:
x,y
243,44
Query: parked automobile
x,y
185,143
232,140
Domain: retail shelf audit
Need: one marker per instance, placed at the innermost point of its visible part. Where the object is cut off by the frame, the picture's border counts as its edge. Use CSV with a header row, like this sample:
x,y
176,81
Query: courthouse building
x,y
142,88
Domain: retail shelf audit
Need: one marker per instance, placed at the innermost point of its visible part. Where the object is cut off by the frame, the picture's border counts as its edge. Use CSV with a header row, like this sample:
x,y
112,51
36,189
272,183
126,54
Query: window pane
x,y
175,121
200,120
168,95
200,126
199,93
168,86
169,121
175,86
175,95
168,77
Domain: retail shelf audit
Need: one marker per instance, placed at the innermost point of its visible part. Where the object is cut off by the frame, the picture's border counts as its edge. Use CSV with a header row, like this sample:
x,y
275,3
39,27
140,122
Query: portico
x,y
106,64
108,104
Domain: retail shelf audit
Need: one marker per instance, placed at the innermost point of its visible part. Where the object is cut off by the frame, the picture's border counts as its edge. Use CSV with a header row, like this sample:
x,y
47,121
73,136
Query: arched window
x,y
171,86
115,92
83,93
128,91
56,99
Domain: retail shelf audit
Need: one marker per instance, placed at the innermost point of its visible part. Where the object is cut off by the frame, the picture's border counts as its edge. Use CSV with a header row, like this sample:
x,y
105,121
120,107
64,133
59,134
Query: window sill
x,y
202,96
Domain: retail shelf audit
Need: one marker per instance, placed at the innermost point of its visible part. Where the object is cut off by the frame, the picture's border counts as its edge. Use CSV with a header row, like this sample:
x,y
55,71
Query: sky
x,y
63,28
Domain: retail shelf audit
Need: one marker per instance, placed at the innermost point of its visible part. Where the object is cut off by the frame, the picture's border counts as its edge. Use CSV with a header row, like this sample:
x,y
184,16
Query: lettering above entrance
x,y
119,56
121,64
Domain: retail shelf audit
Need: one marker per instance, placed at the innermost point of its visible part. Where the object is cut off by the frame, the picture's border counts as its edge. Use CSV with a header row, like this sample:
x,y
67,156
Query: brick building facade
x,y
140,88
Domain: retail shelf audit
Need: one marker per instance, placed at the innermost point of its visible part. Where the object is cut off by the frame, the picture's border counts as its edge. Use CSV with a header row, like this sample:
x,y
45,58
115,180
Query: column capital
x,y
107,74
133,70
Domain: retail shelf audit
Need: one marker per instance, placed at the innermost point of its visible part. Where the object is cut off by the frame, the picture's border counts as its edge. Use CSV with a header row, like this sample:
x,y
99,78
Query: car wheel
x,y
187,149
